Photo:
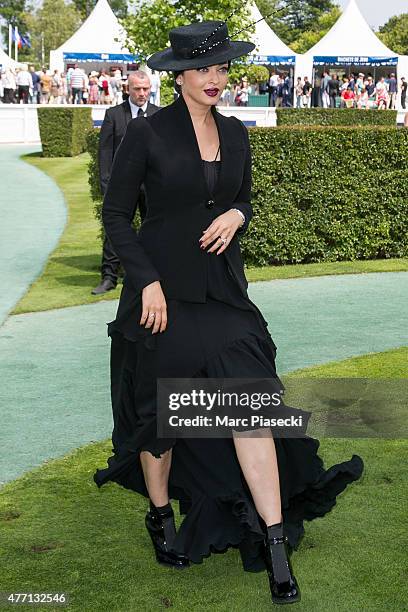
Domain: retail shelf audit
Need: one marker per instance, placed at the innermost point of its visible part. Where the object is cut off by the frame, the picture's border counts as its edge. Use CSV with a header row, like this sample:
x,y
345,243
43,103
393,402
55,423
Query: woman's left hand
x,y
223,226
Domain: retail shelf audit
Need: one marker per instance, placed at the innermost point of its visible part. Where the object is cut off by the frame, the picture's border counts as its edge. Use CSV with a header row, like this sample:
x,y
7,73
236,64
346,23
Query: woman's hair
x,y
177,87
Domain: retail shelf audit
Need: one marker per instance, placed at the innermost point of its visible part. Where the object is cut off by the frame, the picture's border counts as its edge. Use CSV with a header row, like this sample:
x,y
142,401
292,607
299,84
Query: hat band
x,y
184,53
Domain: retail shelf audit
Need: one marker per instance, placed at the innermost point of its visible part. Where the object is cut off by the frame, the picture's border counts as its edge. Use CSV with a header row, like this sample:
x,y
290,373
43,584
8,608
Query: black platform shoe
x,y
282,582
162,530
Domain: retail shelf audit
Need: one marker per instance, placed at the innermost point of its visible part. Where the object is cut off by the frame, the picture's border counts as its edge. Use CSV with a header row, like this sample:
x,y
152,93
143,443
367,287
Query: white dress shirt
x,y
135,108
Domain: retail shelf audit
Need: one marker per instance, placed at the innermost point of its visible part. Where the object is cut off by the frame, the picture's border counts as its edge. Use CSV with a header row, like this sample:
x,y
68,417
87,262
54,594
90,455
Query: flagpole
x,y
15,44
10,39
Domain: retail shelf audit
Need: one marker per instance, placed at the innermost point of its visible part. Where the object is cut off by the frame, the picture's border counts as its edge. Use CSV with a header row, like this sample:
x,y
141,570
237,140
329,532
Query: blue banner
x,y
272,59
355,60
100,57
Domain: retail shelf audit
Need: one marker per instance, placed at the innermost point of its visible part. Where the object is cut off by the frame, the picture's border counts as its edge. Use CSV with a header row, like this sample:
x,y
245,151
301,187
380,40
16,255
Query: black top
x,y
220,283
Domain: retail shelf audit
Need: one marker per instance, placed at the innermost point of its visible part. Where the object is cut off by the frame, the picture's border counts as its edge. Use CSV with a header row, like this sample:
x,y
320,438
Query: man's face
x,y
139,90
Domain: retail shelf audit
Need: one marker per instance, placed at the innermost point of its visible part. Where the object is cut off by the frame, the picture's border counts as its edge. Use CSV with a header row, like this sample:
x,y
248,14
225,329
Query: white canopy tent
x,y
270,49
94,41
350,42
7,62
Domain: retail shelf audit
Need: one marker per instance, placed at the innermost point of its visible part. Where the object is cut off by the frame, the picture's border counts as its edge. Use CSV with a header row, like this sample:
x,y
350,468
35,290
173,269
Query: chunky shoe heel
x,y
162,531
282,582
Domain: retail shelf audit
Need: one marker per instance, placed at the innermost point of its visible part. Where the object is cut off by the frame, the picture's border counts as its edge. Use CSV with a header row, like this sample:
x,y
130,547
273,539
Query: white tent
x,y
94,41
270,49
7,62
350,41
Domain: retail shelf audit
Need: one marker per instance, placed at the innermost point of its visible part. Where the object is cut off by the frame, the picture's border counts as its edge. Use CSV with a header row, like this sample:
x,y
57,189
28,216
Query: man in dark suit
x,y
112,131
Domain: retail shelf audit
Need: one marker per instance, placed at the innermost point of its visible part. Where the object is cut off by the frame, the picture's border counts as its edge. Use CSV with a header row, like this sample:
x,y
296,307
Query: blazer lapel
x,y
187,133
127,112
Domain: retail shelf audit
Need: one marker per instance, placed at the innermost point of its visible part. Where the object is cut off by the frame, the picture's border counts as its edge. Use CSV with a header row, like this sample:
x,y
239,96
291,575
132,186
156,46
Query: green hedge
x,y
320,194
335,116
63,130
328,194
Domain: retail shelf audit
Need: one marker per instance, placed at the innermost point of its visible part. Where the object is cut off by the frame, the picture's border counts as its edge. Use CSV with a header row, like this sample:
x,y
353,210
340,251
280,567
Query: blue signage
x,y
100,57
272,59
355,60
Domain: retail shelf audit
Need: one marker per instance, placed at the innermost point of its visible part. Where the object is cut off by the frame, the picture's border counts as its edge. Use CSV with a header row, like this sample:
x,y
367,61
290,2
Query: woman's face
x,y
205,85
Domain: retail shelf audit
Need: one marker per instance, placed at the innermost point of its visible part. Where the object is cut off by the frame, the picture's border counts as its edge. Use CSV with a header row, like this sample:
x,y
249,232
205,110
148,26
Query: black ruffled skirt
x,y
213,340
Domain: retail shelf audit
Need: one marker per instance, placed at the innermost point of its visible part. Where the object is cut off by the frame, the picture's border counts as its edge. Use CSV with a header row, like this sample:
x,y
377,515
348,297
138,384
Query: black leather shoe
x,y
162,530
105,285
282,582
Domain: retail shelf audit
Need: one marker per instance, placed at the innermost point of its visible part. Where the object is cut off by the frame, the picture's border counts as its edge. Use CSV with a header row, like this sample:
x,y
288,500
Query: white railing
x,y
19,122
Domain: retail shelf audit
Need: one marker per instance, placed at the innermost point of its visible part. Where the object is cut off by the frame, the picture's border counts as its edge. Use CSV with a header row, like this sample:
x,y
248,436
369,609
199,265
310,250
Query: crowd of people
x,y
75,86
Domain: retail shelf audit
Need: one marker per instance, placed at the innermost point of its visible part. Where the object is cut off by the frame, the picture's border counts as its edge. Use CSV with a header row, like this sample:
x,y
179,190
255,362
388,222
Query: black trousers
x,y
110,261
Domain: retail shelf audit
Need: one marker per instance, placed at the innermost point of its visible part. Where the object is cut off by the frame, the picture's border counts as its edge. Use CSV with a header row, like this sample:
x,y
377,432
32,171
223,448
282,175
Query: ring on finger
x,y
223,240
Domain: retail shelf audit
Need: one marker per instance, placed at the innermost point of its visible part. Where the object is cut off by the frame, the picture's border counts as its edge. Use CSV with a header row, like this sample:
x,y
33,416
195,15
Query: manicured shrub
x,y
63,130
335,116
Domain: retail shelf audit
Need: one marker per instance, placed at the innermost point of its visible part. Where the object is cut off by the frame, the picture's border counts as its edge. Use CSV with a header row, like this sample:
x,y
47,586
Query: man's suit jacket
x,y
112,131
162,152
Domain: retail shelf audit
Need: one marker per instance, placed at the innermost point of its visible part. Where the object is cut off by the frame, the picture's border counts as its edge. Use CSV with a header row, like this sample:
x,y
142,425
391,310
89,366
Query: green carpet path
x,y
33,216
55,364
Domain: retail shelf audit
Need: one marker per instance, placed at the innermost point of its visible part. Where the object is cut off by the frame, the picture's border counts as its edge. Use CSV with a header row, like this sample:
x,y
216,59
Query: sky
x,y
377,12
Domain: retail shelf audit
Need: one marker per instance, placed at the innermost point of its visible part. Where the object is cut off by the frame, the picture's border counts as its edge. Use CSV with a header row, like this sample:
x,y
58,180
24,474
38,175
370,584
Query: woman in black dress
x,y
184,312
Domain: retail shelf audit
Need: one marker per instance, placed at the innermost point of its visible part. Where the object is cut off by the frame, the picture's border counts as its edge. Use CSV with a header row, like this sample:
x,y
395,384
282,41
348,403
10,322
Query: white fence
x,y
19,122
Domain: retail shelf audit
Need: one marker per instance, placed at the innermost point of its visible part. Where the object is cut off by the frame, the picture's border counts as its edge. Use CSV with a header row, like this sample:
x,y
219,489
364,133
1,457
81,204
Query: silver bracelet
x,y
241,215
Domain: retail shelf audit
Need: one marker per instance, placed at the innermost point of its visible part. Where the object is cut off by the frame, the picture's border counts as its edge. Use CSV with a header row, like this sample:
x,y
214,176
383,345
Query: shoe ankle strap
x,y
279,540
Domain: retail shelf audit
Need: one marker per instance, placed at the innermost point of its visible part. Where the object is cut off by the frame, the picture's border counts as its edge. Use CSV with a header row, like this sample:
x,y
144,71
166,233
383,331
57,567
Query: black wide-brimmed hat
x,y
196,45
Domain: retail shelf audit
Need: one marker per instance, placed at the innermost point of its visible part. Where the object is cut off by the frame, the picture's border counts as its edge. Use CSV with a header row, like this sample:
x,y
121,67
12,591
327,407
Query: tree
x,y
395,34
12,11
148,27
296,22
54,22
306,40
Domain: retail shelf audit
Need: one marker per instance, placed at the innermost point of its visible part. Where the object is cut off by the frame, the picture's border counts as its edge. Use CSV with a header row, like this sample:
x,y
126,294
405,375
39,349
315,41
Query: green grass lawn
x,y
60,533
73,269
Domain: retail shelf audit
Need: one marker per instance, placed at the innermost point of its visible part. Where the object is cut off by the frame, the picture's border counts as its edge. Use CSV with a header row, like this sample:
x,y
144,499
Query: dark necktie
x,y
140,113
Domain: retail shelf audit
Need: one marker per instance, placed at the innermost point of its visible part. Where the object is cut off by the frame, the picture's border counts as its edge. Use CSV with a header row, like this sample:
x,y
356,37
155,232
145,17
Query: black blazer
x,y
162,152
112,131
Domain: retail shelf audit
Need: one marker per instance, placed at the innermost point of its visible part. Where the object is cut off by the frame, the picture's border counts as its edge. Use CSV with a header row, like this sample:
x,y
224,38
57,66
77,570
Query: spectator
x,y
362,101
324,90
94,88
244,91
403,92
349,97
55,87
279,96
273,88
35,97
333,89
392,91
381,94
63,89
359,87
45,80
78,84
155,90
24,83
307,92
343,88
104,92
116,87
8,80
299,93
287,91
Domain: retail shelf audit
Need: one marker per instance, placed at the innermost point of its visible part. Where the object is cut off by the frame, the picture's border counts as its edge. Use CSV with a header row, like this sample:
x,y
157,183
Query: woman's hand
x,y
154,303
224,225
